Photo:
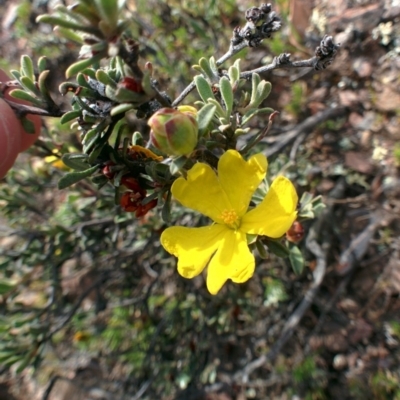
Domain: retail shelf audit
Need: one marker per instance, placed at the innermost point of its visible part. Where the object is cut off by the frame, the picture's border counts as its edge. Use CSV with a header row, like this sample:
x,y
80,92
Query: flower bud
x,y
173,131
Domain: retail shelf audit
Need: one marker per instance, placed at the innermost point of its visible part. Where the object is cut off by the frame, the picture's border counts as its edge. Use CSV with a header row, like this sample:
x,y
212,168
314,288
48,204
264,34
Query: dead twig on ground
x,y
304,128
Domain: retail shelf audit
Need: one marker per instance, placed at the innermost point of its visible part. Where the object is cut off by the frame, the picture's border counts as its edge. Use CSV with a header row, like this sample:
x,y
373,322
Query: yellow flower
x,y
225,199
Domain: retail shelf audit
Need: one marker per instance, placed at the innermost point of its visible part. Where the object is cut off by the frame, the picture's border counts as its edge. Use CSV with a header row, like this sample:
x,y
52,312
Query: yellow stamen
x,y
230,218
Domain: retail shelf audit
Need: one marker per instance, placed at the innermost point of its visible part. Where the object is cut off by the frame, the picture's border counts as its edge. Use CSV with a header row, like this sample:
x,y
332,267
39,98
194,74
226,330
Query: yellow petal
x,y
193,246
202,192
233,260
239,178
276,213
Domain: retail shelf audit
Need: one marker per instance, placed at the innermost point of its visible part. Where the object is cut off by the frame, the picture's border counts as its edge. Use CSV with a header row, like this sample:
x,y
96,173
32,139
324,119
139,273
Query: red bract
x,y
133,184
107,172
144,209
131,201
295,233
131,84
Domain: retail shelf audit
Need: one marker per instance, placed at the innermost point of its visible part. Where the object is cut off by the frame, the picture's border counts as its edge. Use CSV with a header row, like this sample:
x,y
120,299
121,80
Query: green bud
x,y
174,132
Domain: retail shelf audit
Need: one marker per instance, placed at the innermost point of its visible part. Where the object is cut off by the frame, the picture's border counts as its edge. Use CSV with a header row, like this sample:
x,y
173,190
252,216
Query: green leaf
x,y
255,80
27,68
75,161
177,164
121,108
227,94
42,64
103,77
22,95
63,22
204,117
109,11
277,248
99,180
74,177
28,125
261,250
205,66
6,286
204,88
234,74
296,259
219,110
68,34
262,92
70,115
82,64
252,112
166,210
28,84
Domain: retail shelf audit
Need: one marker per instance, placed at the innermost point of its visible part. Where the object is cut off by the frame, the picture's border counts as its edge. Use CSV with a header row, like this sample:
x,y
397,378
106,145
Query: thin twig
x,y
75,308
307,127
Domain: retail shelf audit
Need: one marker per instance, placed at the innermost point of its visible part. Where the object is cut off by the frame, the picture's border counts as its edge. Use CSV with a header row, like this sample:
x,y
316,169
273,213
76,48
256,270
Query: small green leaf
x,y
177,164
255,80
22,95
204,117
28,84
6,286
213,66
277,248
219,110
204,88
296,259
69,116
82,64
74,177
44,91
103,77
166,210
109,11
262,92
137,139
261,250
227,94
42,63
75,161
27,68
234,74
16,74
121,108
99,180
207,71
63,22
28,125
252,112
68,34
91,142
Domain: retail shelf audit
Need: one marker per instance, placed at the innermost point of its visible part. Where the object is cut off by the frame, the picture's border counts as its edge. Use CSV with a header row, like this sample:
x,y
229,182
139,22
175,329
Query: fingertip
x,y
10,137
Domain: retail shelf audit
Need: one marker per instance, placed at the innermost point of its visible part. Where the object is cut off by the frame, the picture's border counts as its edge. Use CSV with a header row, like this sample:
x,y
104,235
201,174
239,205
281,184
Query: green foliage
x,y
132,308
385,385
396,152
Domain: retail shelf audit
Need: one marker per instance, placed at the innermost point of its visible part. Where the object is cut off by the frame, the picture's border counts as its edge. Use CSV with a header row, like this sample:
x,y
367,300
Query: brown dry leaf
x,y
387,100
348,98
358,162
362,67
300,13
360,331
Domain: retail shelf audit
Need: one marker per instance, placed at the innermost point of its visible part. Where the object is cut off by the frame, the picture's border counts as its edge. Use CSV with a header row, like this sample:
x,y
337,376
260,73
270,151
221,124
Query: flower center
x,y
230,218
